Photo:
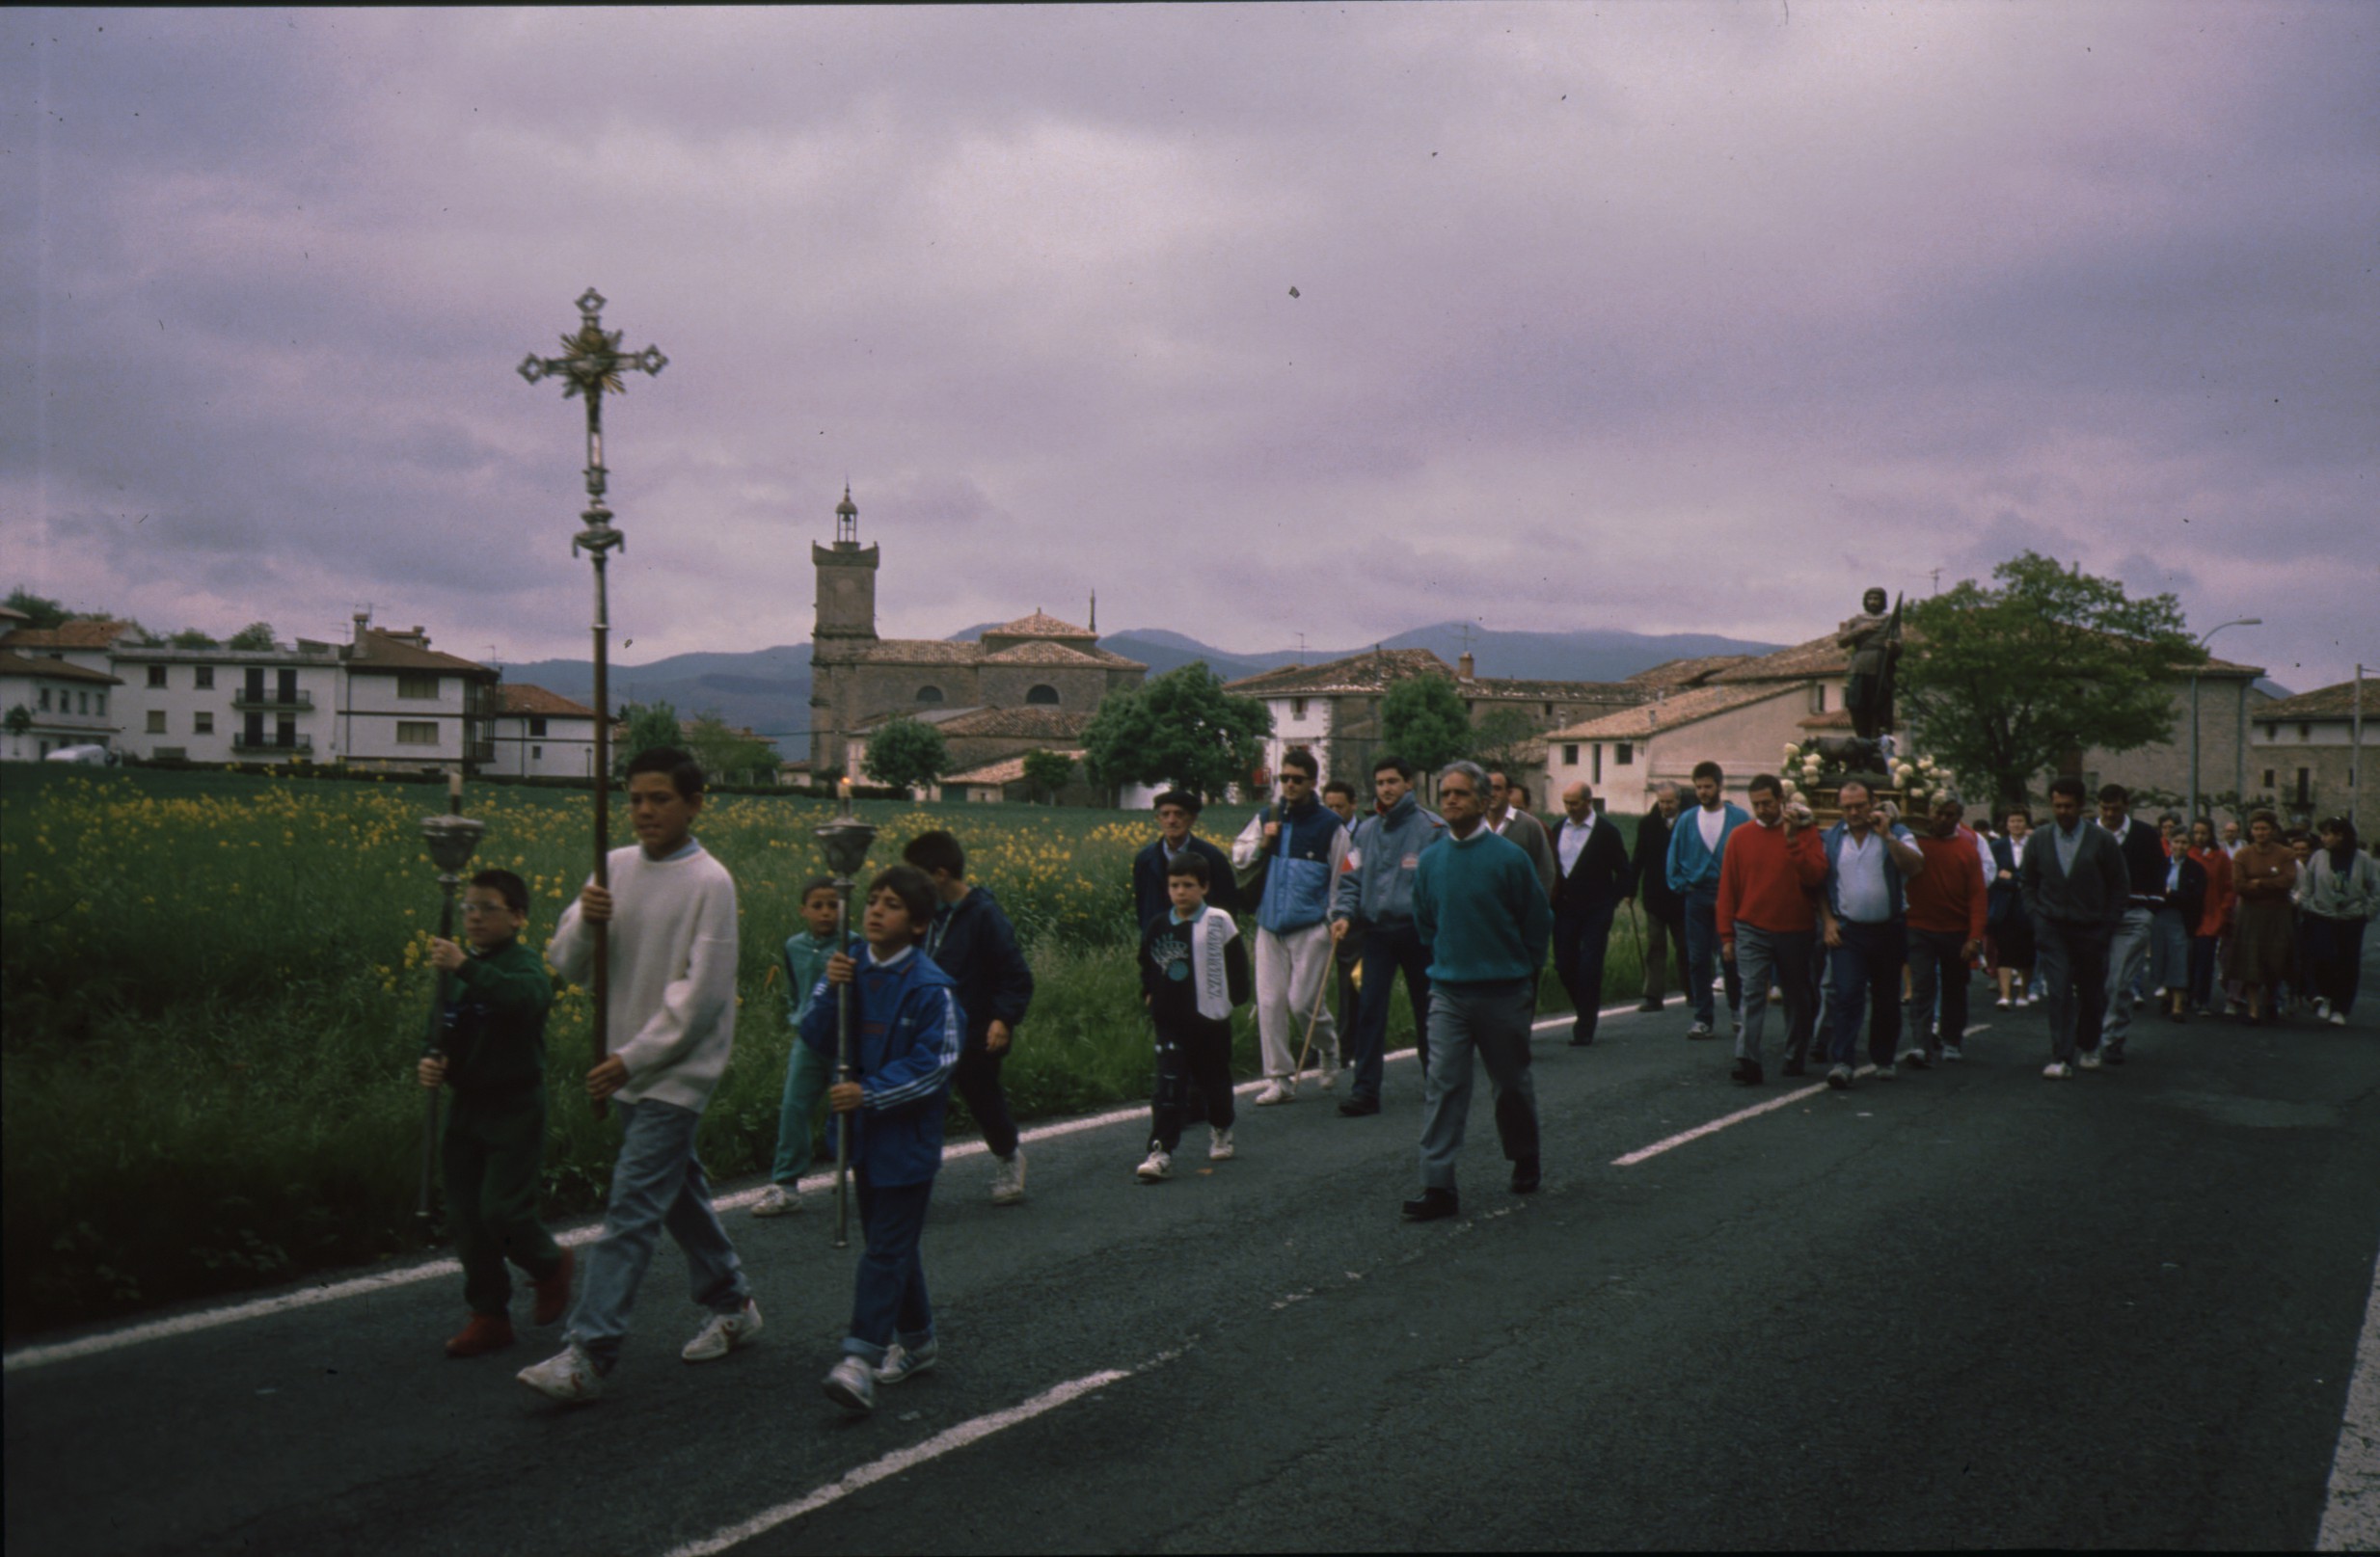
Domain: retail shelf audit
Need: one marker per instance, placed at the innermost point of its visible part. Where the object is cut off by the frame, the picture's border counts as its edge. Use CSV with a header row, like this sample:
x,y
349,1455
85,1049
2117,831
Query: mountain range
x,y
769,689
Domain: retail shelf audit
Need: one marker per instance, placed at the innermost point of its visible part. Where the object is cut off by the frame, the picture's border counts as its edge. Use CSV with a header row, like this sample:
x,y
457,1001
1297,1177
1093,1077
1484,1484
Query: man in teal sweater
x,y
1482,912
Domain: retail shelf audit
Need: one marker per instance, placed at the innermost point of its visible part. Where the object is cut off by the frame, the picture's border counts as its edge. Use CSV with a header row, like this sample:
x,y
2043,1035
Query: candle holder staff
x,y
844,842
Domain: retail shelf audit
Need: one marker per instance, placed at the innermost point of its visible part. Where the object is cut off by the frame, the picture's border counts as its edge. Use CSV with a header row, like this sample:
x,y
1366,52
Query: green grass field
x,y
212,993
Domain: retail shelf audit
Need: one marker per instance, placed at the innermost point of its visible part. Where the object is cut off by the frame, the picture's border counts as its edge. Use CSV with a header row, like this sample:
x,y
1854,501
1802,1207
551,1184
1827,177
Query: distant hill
x,y
769,689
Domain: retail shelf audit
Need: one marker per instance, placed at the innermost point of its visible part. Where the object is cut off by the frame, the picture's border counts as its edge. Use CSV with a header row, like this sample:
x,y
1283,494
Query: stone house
x,y
2303,751
406,706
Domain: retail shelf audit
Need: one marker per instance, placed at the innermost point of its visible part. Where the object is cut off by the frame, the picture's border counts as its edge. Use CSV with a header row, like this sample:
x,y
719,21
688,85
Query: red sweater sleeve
x,y
1730,890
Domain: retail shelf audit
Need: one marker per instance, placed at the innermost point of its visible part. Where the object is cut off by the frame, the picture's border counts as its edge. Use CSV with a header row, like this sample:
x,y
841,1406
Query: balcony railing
x,y
270,745
270,703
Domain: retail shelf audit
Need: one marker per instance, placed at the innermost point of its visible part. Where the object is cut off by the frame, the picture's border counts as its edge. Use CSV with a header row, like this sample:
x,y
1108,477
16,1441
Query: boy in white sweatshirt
x,y
671,909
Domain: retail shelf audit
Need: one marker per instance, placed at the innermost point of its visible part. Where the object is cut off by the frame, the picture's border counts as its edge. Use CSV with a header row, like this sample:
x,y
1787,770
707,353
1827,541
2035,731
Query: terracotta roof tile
x,y
1691,671
12,663
1371,672
1040,624
520,697
1040,651
1649,718
1548,691
380,651
1006,770
2324,703
1034,722
68,635
918,652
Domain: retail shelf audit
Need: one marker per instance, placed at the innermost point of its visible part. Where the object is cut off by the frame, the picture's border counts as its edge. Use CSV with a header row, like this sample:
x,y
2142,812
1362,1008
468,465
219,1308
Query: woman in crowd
x,y
2341,893
2263,873
2171,928
2214,914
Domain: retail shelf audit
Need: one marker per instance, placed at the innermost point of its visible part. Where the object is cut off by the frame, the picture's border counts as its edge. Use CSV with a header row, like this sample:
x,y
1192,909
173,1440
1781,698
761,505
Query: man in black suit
x,y
1176,810
1664,911
1592,877
2075,892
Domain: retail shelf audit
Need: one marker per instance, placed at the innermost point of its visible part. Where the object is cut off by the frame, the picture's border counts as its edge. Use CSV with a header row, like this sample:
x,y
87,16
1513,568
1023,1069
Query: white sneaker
x,y
2088,1060
2338,1019
1950,1055
1007,1184
1219,1147
850,1384
1275,1091
2057,1070
1887,1073
2322,1008
2003,1004
568,1376
900,1362
722,1334
1327,1064
1158,1168
777,1200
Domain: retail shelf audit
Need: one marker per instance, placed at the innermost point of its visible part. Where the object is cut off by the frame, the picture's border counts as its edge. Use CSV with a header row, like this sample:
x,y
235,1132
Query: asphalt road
x,y
1965,1307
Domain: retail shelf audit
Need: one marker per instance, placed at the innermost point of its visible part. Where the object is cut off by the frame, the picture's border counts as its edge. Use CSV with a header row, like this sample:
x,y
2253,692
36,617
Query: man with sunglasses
x,y
1302,846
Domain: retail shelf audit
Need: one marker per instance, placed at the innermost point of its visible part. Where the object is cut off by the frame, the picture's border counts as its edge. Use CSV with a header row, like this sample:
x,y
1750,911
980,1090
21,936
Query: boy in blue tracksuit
x,y
1698,842
906,1033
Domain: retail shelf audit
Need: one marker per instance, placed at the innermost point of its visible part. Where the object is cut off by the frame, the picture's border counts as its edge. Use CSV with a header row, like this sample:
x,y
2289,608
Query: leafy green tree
x,y
646,725
730,756
2000,683
1423,720
1046,773
255,635
1497,739
907,754
1181,729
41,610
191,638
19,719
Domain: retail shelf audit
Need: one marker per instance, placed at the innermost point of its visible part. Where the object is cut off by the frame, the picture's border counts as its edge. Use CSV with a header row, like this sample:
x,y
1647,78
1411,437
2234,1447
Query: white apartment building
x,y
273,705
542,735
48,703
405,705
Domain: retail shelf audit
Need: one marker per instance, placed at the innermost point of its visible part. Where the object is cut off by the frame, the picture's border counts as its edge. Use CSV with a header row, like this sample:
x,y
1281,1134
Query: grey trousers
x,y
2128,958
1780,959
1492,1018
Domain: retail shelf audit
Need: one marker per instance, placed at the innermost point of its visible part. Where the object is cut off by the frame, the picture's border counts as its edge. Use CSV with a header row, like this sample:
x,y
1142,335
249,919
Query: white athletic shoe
x,y
568,1376
1219,1147
900,1362
1327,1061
1950,1055
2088,1059
777,1200
2057,1070
2322,1008
722,1334
1008,1182
850,1384
1277,1090
1158,1168
2338,1019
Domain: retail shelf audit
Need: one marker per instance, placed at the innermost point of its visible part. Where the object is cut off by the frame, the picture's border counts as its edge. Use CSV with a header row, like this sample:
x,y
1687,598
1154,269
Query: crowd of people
x,y
1868,923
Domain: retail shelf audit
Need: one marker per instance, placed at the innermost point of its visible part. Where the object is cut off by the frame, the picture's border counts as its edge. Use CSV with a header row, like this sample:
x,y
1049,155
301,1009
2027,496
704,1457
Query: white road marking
x,y
901,1460
2351,1515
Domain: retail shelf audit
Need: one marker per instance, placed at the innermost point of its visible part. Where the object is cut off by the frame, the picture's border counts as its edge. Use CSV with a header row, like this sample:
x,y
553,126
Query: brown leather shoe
x,y
554,1292
485,1333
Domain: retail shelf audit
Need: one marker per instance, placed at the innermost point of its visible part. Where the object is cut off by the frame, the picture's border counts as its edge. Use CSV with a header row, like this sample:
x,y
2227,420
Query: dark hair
x,y
1709,770
1299,758
2068,785
1404,769
1190,863
2266,817
1340,787
2343,854
936,850
2171,815
685,775
1187,799
815,883
1767,782
513,890
1513,787
2115,792
2025,812
1859,784
915,890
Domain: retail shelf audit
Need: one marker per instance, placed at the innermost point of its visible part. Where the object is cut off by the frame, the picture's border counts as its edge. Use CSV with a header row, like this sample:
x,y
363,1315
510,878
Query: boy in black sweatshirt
x,y
491,1049
1194,969
971,940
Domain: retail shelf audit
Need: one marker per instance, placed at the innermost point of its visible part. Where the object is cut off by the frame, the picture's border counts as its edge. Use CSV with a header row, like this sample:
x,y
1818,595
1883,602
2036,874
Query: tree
x,y
1181,729
1423,720
2001,684
730,756
1046,773
1496,741
19,719
191,638
645,726
907,754
255,635
41,610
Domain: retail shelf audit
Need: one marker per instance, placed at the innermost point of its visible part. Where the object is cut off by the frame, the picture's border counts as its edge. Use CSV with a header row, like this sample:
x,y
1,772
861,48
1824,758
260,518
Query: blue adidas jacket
x,y
905,1028
1302,867
1693,867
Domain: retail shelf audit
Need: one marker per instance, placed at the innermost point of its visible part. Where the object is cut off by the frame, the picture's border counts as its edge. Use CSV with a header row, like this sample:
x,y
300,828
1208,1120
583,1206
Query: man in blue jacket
x,y
1695,846
1302,843
1482,909
971,940
1374,898
1178,810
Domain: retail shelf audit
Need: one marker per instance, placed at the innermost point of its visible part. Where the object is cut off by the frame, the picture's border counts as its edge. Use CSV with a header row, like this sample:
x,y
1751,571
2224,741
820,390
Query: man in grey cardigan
x,y
2075,891
1516,825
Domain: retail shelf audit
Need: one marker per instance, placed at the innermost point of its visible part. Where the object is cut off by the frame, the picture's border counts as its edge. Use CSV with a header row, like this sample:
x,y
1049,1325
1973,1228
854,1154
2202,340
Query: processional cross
x,y
592,366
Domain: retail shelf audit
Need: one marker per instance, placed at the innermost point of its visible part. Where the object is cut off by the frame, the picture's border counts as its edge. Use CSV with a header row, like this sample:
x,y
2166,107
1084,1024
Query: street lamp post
x,y
2240,737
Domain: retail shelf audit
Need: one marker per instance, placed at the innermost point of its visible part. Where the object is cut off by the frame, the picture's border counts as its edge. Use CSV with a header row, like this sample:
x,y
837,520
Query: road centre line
x,y
901,1460
36,1357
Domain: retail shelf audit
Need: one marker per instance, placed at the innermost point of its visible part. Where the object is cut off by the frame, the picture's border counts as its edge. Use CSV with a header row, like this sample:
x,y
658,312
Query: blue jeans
x,y
888,1298
1388,948
657,1183
1493,1019
807,1076
1579,942
1701,947
1865,969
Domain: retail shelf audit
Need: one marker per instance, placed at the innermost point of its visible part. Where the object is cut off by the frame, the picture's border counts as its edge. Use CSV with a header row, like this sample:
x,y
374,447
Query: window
x,y
1570,756
1549,709
82,701
536,724
2304,786
156,725
1818,697
156,674
419,684
1598,761
2272,732
1043,695
99,703
1626,754
205,675
930,694
416,733
2268,778
1297,708
202,723
44,699
536,752
2305,732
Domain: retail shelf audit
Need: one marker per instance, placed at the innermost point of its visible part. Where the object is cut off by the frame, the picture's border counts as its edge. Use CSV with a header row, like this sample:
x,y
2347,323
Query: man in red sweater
x,y
1767,923
1946,929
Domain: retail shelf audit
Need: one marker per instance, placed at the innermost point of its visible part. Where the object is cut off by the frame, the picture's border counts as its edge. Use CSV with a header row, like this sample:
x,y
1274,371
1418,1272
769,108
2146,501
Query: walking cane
x,y
1314,1020
845,842
451,839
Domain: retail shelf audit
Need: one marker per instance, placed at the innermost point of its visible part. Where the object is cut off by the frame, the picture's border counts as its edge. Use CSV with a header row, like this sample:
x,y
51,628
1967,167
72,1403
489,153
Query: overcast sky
x,y
1665,317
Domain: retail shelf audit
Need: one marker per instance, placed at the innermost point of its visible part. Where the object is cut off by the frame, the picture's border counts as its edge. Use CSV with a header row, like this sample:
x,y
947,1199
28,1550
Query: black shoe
x,y
1432,1206
1748,1072
1794,1067
2111,1055
1586,1043
1648,1005
1355,1107
1524,1176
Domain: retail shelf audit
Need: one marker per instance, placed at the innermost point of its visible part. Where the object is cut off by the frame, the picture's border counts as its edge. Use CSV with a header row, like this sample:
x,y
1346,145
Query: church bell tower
x,y
845,579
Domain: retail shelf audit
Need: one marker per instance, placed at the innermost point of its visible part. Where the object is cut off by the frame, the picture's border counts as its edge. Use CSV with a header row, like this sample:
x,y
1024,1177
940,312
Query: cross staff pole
x,y
592,365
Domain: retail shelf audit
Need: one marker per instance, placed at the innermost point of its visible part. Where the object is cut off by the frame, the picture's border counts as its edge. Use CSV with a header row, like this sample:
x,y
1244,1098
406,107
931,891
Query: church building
x,y
859,681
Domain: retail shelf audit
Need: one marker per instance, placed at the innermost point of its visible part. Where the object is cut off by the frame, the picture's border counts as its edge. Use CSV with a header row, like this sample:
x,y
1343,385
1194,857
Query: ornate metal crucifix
x,y
592,366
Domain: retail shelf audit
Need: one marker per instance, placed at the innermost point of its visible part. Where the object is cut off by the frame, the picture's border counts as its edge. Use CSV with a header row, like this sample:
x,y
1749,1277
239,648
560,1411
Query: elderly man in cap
x,y
1176,811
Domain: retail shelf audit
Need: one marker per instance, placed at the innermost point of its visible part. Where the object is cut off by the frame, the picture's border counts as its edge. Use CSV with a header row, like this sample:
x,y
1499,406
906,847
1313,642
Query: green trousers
x,y
493,1155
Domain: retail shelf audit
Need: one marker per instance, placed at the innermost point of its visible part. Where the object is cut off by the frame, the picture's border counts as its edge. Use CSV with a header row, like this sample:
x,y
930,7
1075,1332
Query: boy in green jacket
x,y
491,1049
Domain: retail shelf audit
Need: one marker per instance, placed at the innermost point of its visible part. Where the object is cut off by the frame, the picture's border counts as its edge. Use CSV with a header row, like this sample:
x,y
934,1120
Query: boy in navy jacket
x,y
906,1030
971,939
